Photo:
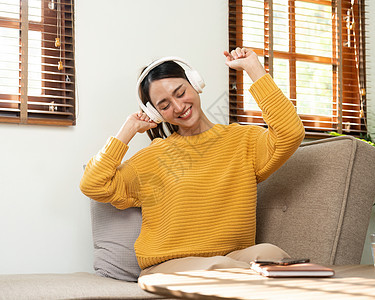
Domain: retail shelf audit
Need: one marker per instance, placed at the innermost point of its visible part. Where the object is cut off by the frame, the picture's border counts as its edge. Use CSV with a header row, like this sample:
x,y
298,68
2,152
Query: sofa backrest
x,y
318,204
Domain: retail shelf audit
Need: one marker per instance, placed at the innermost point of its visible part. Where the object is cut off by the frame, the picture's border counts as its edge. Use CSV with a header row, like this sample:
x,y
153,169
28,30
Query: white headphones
x,y
192,75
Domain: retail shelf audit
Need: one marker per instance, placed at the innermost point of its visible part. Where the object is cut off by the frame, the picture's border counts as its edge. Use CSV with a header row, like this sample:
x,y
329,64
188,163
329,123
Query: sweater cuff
x,y
263,87
115,149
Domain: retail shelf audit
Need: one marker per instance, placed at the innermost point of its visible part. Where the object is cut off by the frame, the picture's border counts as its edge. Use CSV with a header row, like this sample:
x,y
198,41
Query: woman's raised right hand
x,y
136,122
141,122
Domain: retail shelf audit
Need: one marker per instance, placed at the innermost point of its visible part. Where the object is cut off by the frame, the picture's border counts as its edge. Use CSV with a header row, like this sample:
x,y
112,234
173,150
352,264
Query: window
x,y
316,59
37,76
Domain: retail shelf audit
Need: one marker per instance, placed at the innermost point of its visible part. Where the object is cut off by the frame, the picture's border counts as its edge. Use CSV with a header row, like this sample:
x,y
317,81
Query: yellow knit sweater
x,y
198,193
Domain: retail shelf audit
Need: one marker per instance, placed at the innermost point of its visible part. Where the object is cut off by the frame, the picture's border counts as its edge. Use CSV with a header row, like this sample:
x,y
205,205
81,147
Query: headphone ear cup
x,y
153,113
195,80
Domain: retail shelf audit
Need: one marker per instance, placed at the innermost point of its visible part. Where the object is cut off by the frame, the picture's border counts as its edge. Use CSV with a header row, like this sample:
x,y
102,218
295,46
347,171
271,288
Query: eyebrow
x,y
174,92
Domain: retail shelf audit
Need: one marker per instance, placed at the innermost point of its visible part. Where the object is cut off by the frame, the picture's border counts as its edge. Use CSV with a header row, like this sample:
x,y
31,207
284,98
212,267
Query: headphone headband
x,y
158,62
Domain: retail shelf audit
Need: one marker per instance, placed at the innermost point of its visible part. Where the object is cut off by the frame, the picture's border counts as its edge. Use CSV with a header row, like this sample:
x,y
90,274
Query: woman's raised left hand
x,y
239,58
244,59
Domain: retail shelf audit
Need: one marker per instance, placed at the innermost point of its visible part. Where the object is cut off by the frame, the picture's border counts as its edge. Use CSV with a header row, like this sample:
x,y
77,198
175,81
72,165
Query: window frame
x,y
56,103
239,114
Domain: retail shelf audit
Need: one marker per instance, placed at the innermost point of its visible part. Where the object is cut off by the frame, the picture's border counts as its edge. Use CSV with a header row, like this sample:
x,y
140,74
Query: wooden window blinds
x,y
37,74
315,51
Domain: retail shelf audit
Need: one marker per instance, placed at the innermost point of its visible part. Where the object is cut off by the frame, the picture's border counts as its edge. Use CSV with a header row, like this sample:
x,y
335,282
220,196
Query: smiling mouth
x,y
186,113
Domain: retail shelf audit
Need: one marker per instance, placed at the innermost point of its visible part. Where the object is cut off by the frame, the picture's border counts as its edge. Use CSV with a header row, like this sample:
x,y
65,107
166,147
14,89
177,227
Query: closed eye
x,y
165,107
179,96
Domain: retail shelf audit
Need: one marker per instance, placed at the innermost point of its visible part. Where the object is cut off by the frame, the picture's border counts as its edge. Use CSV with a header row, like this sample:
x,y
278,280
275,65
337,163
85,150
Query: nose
x,y
178,106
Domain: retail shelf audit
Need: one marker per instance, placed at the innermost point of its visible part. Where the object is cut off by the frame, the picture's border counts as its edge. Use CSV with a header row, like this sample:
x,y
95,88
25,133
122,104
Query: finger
x,y
141,114
239,52
227,54
234,54
243,51
229,57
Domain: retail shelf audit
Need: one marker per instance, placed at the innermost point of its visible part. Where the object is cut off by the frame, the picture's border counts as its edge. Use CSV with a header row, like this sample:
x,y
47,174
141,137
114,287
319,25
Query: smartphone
x,y
283,262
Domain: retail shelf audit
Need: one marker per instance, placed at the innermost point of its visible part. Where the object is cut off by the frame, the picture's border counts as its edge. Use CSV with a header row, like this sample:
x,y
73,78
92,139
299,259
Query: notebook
x,y
295,270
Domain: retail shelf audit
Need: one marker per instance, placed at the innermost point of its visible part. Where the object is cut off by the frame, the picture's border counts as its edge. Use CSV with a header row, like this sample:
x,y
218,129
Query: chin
x,y
187,124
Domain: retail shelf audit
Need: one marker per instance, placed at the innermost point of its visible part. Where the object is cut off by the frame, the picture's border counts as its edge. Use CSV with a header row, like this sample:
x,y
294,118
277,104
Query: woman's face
x,y
177,101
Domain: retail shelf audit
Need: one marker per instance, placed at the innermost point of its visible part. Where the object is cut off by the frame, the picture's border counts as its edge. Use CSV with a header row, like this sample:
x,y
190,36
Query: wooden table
x,y
349,282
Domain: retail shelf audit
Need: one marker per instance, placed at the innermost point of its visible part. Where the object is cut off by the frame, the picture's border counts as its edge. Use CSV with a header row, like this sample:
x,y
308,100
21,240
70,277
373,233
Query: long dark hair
x,y
168,69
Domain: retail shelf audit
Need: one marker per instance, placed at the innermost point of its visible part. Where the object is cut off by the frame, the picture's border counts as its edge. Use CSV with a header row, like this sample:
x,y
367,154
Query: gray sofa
x,y
317,205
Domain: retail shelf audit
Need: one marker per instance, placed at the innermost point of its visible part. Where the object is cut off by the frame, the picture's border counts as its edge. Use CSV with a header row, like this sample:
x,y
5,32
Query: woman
x,y
197,186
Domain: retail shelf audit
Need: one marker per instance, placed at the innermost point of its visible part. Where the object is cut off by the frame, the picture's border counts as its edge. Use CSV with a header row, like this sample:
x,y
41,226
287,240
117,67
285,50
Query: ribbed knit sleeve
x,y
106,180
285,129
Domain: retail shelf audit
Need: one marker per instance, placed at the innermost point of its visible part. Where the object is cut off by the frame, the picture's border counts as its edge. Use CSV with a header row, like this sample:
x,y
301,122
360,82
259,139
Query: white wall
x,y
44,218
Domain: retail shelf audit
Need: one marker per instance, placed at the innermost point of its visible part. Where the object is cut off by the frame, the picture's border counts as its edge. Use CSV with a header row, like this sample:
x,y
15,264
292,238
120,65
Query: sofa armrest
x,y
318,204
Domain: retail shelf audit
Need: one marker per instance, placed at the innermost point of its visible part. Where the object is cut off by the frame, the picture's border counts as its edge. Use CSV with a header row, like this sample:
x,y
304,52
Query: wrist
x,y
130,127
126,133
254,68
255,71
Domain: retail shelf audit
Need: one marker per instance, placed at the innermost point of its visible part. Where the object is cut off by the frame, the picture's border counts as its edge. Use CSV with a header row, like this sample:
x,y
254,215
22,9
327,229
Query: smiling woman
x,y
197,186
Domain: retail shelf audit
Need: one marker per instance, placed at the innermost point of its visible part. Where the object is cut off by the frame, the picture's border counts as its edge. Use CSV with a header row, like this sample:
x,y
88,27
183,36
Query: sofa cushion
x,y
114,233
318,204
68,286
